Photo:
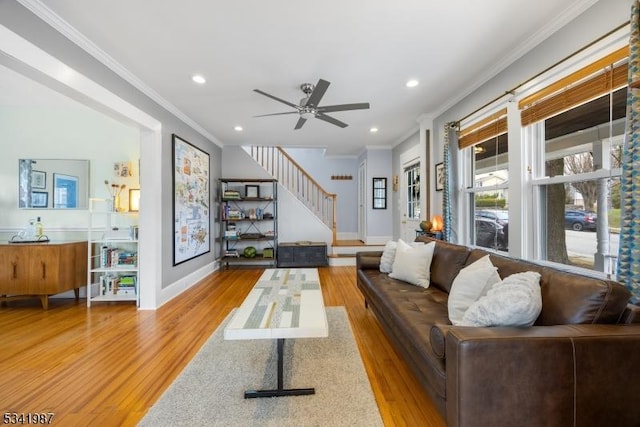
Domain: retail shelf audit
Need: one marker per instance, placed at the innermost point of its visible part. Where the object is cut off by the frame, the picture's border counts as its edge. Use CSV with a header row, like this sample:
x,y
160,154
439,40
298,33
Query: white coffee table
x,y
284,303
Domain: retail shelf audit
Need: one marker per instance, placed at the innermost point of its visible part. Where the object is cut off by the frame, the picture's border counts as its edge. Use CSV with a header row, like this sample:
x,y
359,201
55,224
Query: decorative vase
x,y
425,225
115,203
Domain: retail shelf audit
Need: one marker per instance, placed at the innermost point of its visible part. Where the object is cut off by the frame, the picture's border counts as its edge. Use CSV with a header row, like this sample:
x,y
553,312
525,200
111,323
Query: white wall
x,y
379,221
321,168
129,104
74,132
603,17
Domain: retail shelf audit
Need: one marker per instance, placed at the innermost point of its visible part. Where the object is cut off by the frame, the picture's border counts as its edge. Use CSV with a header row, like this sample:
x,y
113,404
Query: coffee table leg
x,y
280,391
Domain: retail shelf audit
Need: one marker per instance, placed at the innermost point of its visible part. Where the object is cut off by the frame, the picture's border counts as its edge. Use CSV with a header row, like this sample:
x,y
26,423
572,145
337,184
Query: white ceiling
x,y
367,49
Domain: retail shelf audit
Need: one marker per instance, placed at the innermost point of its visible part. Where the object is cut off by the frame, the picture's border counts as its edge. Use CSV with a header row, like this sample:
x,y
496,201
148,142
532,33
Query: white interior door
x,y
362,198
410,207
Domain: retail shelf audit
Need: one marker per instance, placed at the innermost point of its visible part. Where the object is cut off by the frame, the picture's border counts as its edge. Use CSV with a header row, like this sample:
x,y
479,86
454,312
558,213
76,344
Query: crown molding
x,y
38,8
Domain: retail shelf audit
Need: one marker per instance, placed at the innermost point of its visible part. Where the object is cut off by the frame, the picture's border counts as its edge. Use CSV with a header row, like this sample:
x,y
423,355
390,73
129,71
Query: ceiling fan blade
x,y
297,107
277,114
301,121
318,93
331,120
343,107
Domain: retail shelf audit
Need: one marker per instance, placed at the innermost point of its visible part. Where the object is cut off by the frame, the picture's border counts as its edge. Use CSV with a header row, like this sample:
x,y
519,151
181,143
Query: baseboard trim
x,y
176,288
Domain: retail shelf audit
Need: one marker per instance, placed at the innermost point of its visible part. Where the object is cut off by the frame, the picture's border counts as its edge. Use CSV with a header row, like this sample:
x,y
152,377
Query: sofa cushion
x,y
571,299
388,256
568,298
515,301
448,260
471,283
412,264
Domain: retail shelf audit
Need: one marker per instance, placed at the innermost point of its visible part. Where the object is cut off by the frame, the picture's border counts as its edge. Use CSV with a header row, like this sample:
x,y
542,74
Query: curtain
x,y
449,199
629,250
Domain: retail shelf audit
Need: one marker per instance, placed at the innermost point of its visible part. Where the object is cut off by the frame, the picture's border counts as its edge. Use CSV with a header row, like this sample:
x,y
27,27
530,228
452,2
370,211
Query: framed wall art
x,y
39,199
191,210
439,177
65,191
251,191
38,179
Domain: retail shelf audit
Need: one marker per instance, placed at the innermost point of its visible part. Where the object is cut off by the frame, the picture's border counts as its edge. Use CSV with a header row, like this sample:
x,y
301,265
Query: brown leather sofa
x,y
579,365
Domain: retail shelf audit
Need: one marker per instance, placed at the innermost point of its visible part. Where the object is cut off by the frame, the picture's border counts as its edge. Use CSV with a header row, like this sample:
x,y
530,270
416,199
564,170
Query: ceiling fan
x,y
309,108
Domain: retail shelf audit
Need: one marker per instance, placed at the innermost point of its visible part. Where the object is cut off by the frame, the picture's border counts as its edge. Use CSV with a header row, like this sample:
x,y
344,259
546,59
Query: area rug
x,y
210,390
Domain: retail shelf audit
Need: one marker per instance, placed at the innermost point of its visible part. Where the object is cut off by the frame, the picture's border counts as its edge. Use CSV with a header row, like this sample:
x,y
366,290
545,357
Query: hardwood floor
x,y
106,365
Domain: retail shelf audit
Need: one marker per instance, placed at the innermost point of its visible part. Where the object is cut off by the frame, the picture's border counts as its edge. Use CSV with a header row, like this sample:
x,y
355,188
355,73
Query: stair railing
x,y
295,179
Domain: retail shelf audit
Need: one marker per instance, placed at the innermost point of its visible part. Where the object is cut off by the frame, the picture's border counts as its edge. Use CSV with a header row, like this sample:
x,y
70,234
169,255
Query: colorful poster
x,y
191,227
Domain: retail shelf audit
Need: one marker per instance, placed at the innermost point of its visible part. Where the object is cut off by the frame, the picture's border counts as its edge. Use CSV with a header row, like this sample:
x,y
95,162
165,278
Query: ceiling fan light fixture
x,y
307,113
197,78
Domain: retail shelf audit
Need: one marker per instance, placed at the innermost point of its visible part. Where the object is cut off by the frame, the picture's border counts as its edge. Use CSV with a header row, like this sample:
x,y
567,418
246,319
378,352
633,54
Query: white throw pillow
x,y
388,256
515,301
471,283
413,264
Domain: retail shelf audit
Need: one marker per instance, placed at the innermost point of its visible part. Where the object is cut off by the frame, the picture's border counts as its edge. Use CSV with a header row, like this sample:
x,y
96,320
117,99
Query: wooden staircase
x,y
319,201
344,251
295,179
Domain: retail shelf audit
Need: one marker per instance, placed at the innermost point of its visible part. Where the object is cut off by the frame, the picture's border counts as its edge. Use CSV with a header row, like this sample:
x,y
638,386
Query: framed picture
x,y
440,177
38,179
191,198
251,191
39,199
65,191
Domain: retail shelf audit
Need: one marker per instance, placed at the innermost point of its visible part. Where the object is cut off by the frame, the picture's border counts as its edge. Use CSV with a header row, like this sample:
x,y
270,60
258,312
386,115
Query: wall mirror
x,y
53,184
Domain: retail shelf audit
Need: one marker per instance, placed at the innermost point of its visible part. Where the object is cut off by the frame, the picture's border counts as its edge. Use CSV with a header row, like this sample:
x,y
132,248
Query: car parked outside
x,y
580,220
490,234
499,216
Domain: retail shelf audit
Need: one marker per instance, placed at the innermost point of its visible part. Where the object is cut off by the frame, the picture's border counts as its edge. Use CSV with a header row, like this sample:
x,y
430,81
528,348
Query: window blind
x,y
487,128
590,82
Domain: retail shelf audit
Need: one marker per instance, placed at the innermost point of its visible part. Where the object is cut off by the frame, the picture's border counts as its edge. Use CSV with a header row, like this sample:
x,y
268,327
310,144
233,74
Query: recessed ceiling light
x,y
412,83
238,128
373,129
199,79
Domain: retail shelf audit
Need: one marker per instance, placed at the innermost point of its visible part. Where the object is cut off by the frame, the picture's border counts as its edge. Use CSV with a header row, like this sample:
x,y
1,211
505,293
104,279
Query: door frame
x,y
409,158
362,201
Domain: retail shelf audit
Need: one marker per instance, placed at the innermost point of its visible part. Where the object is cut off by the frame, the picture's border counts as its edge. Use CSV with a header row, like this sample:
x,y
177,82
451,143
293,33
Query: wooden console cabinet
x,y
42,269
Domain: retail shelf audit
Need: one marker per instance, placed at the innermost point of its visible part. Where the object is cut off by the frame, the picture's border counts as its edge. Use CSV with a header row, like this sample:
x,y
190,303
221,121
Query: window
x,y
412,176
379,193
487,180
577,178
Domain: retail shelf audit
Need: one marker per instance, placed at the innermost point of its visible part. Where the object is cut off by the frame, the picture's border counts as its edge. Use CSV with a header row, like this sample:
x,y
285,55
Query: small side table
x,y
435,235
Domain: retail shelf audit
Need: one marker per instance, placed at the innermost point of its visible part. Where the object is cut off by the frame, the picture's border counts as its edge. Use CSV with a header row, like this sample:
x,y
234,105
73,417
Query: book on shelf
x,y
114,284
231,194
232,253
114,257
